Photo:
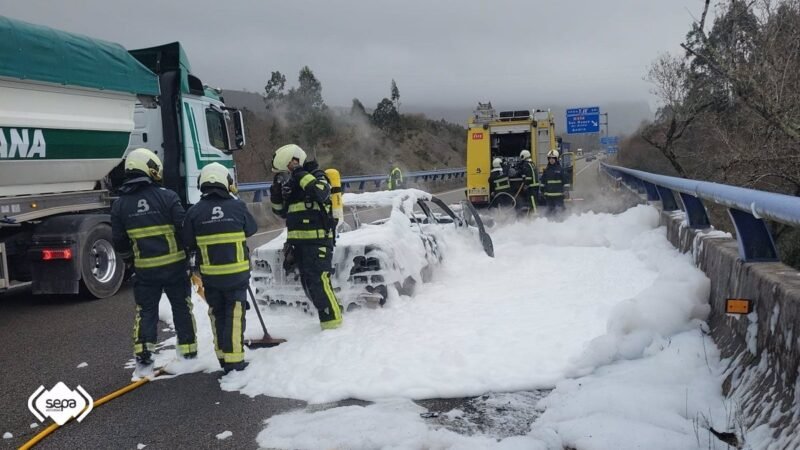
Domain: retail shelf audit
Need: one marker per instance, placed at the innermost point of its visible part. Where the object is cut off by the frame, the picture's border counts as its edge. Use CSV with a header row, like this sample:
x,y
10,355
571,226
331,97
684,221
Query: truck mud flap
x,y
5,282
486,240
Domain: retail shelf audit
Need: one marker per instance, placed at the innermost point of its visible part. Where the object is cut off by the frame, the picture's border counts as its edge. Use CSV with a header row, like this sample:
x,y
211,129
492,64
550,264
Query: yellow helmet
x,y
145,161
525,154
552,154
215,174
285,155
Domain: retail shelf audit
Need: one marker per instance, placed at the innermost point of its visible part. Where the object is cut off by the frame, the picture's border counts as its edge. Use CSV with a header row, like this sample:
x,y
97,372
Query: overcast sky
x,y
441,53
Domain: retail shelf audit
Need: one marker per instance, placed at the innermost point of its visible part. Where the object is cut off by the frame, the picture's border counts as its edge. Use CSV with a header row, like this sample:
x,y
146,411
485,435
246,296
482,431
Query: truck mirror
x,y
234,124
238,130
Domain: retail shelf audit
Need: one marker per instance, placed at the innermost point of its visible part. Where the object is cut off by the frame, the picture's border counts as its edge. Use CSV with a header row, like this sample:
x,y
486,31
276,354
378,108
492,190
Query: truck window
x,y
217,132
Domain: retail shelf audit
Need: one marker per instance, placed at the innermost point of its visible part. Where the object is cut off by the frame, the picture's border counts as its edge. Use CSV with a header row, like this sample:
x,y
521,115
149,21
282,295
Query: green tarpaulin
x,y
34,52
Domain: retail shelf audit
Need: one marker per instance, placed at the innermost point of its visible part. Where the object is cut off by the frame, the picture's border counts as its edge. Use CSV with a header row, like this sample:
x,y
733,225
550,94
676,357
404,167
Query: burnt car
x,y
397,252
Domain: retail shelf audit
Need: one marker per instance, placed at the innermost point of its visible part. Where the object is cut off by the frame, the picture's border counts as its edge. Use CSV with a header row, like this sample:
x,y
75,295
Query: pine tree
x,y
395,96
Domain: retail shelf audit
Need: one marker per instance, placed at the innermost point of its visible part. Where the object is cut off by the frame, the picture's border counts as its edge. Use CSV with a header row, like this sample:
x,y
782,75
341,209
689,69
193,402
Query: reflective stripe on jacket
x,y
308,209
499,181
553,180
146,221
529,174
395,179
218,227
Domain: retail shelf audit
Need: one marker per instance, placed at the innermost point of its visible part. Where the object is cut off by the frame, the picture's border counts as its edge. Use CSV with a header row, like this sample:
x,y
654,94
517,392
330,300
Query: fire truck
x,y
505,134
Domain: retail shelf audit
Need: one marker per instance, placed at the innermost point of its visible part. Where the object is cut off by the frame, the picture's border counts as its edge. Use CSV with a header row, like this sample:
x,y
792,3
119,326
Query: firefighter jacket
x,y
395,180
146,222
553,180
530,176
498,181
305,203
216,229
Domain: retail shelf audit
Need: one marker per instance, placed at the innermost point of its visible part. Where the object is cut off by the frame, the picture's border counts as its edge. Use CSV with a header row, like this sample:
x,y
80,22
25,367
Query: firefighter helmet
x,y
496,163
525,155
285,155
216,175
144,161
552,154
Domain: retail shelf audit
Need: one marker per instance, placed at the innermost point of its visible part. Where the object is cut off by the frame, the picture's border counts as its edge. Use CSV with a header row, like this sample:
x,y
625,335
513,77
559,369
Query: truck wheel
x,y
101,270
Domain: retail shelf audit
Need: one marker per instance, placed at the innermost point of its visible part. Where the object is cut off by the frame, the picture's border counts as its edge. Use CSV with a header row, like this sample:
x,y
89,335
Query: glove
x,y
286,190
127,257
289,260
310,166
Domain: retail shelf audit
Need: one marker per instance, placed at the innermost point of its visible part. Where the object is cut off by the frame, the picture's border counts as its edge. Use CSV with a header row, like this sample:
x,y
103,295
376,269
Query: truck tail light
x,y
50,254
479,198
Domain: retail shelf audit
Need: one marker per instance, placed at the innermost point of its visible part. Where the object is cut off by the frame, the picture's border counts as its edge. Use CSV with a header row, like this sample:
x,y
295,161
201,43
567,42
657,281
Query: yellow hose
x,y
54,426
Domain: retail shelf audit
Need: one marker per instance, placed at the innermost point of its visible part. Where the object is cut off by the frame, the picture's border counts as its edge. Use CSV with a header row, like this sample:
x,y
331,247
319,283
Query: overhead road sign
x,y
609,140
583,120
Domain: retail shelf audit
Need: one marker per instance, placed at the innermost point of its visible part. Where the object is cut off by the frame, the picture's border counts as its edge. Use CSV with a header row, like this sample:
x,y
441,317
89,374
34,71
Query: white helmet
x,y
496,163
144,161
285,155
524,155
216,175
552,154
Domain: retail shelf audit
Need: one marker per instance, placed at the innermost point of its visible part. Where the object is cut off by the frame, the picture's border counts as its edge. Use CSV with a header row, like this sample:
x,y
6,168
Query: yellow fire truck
x,y
504,135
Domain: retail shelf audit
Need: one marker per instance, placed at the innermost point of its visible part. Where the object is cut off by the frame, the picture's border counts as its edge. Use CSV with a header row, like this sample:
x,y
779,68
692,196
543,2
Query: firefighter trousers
x,y
314,262
226,309
555,203
145,328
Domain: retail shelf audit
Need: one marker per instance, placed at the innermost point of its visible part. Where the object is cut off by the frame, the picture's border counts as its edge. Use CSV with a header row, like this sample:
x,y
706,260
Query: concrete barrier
x,y
762,349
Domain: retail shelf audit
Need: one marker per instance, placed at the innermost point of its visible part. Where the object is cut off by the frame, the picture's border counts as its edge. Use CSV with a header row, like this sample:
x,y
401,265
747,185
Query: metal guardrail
x,y
262,188
747,207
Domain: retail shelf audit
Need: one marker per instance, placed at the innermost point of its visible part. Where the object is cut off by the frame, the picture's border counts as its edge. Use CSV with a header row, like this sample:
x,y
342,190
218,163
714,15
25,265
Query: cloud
x,y
443,53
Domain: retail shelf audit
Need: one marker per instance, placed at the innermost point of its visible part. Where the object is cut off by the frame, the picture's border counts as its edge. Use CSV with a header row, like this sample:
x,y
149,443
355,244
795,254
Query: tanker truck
x,y
72,108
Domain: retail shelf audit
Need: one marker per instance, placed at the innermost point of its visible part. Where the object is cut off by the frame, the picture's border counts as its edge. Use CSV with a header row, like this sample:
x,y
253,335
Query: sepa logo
x,y
60,403
477,136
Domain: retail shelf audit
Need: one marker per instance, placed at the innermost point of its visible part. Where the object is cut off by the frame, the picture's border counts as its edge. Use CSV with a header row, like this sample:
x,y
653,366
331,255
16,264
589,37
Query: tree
x,y
669,76
274,89
395,95
752,62
752,57
385,116
357,109
307,97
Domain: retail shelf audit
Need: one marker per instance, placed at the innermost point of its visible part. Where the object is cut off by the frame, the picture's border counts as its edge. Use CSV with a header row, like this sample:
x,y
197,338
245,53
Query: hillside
x,y
347,141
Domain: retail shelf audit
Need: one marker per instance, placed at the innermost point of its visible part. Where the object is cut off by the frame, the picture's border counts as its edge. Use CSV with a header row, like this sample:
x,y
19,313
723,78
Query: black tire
x,y
102,270
384,292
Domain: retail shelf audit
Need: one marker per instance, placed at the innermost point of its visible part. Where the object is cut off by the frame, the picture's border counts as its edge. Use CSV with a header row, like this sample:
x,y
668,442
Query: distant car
x,y
398,252
590,158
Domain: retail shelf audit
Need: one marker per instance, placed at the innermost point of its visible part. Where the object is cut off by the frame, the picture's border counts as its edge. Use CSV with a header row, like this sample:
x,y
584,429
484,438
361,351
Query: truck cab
x,y
189,127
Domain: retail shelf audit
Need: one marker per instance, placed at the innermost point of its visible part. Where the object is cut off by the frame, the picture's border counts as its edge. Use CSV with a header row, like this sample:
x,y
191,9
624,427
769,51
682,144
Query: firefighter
x,y
218,226
530,180
553,181
499,183
395,180
301,194
146,221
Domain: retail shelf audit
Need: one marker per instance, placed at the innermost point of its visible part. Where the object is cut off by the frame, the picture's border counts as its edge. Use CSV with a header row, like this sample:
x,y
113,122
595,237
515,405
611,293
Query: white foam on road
x,y
559,301
511,322
663,401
